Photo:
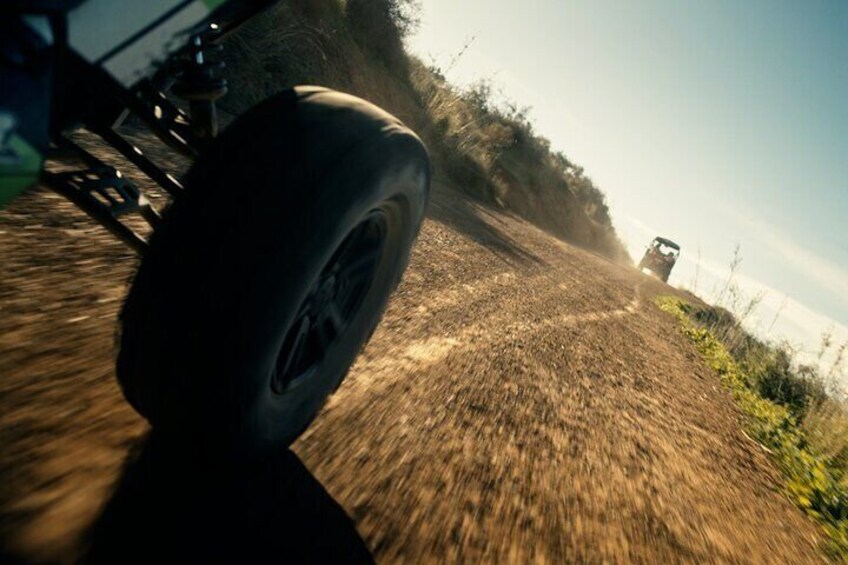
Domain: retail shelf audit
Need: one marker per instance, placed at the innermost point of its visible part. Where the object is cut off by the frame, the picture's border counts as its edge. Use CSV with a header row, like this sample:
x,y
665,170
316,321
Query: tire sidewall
x,y
265,210
403,183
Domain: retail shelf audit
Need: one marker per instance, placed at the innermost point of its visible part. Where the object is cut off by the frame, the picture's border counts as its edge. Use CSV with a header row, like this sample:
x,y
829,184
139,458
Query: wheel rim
x,y
332,303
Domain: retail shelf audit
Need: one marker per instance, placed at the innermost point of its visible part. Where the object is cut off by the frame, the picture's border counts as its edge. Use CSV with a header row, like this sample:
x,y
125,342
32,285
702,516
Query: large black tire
x,y
270,273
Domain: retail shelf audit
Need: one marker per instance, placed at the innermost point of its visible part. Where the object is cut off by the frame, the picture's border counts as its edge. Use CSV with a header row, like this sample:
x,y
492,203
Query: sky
x,y
716,124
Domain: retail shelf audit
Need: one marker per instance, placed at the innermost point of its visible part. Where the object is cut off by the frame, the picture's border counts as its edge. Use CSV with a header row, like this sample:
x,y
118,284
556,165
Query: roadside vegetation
x,y
488,150
796,413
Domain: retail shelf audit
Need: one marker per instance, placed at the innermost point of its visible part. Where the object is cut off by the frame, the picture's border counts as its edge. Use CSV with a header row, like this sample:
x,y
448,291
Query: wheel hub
x,y
326,294
331,305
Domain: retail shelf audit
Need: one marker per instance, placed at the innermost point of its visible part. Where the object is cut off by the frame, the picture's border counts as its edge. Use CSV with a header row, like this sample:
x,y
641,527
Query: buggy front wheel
x,y
272,270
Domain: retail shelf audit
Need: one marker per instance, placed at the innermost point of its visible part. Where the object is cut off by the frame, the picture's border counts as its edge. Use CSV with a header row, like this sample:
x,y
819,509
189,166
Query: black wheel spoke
x,y
296,352
334,300
334,318
348,247
325,333
362,266
343,295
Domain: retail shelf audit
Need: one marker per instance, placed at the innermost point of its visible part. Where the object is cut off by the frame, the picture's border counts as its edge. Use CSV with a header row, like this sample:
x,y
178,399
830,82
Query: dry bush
x,y
826,428
770,368
493,151
815,400
488,150
467,144
380,26
808,446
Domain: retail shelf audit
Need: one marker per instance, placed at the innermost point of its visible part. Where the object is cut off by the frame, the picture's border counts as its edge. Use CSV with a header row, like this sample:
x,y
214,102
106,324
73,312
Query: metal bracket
x,y
165,120
103,193
136,156
101,190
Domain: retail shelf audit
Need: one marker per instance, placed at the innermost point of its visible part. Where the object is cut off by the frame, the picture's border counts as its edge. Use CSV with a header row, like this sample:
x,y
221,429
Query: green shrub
x,y
769,369
772,398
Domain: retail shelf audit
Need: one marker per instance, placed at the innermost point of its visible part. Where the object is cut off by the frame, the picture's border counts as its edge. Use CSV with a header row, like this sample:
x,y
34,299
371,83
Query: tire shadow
x,y
466,216
170,505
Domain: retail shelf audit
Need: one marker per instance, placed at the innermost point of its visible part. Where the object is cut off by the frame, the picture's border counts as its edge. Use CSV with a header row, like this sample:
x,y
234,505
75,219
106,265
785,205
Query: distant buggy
x,y
660,257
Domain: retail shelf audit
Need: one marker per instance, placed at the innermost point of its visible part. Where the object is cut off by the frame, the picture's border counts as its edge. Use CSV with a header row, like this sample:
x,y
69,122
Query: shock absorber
x,y
199,84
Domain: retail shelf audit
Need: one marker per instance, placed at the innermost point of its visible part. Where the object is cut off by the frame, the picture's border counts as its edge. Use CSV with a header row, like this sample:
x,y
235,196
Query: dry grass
x,y
799,412
826,427
814,398
788,412
483,149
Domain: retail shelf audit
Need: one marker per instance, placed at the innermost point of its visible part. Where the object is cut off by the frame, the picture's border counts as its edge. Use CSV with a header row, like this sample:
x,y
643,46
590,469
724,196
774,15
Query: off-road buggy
x,y
660,257
271,268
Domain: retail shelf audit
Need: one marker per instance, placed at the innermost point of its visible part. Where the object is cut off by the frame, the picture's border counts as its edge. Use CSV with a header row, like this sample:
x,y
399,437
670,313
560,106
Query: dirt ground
x,y
523,401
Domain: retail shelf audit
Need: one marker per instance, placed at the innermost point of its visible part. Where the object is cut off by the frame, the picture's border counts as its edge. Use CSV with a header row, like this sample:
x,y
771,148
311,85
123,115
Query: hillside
x,y
489,153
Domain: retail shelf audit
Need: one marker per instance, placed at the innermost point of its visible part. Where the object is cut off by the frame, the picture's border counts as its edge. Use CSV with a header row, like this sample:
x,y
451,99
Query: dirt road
x,y
522,401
